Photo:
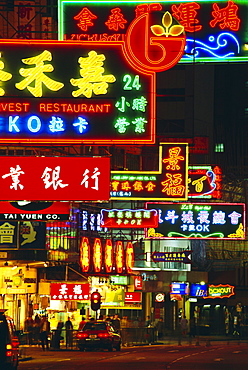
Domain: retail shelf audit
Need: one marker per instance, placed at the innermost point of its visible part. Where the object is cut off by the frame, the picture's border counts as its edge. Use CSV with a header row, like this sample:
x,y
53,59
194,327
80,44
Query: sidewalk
x,y
29,352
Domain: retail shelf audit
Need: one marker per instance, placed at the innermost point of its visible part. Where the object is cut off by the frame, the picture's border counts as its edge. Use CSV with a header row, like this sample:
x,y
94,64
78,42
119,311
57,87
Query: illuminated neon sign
x,y
129,218
97,255
215,30
69,291
171,256
220,291
169,182
112,259
198,221
205,182
74,93
54,178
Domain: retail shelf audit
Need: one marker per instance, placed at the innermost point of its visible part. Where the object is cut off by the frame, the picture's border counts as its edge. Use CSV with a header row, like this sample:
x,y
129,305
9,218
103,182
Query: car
x,y
9,343
100,335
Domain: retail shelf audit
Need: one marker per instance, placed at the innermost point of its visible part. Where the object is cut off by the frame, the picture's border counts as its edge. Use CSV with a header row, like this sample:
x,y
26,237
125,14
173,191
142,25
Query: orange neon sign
x,y
84,257
97,255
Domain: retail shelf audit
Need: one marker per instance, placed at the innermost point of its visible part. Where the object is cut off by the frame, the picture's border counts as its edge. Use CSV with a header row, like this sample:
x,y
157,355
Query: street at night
x,y
160,357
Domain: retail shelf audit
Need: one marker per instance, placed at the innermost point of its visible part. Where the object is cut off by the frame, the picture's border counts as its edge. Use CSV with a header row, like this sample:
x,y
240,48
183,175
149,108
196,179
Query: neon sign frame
x,y
28,120
214,45
198,221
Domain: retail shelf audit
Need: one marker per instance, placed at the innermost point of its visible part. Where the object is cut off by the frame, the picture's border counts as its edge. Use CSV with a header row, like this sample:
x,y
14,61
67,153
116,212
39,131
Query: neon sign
x,y
129,218
97,255
42,104
205,182
169,182
220,291
198,221
84,254
109,256
215,30
171,256
54,178
110,259
69,291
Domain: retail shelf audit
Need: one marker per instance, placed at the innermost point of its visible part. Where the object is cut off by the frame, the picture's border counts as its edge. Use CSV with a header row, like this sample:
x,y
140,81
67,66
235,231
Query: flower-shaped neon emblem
x,y
168,29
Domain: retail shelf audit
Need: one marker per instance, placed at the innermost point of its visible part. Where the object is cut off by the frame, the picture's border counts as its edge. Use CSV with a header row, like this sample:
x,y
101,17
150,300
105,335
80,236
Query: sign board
x,y
205,182
54,178
171,256
179,288
216,30
129,218
220,291
69,291
133,297
198,221
198,290
40,211
169,182
61,92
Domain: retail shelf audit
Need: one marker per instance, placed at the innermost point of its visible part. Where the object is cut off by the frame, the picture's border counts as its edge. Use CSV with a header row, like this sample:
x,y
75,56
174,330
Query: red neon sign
x,y
84,257
97,255
109,256
69,291
129,257
119,257
54,178
220,291
133,297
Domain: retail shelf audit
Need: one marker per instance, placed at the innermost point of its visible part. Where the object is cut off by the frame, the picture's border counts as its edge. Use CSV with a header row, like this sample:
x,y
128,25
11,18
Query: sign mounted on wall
x,y
220,291
91,92
198,221
54,178
62,92
129,218
169,182
216,29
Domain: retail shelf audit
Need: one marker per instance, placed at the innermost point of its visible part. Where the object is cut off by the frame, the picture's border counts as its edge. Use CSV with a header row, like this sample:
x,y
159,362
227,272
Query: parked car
x,y
9,343
98,334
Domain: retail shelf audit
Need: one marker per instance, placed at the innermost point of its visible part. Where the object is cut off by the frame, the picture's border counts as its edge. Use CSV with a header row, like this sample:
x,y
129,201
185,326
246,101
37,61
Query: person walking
x,y
57,336
29,328
44,332
82,323
68,333
184,325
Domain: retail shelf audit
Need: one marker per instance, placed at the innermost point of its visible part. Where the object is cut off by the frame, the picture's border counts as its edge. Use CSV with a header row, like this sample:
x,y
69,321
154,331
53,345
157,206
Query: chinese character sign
x,y
129,218
54,178
169,182
199,220
69,291
215,29
61,92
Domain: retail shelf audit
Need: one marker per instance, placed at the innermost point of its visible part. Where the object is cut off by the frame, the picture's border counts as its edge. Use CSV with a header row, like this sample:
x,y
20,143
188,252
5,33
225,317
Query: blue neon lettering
x,y
38,124
12,124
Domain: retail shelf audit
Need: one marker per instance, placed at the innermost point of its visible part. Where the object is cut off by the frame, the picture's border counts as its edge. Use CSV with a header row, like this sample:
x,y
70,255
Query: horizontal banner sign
x,y
40,211
171,256
72,93
54,178
129,218
198,220
216,30
69,291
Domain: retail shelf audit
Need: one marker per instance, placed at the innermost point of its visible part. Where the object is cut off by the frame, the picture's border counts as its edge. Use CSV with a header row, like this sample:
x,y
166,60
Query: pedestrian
x,y
160,328
82,323
57,336
148,322
68,333
44,332
184,325
29,328
116,322
37,324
